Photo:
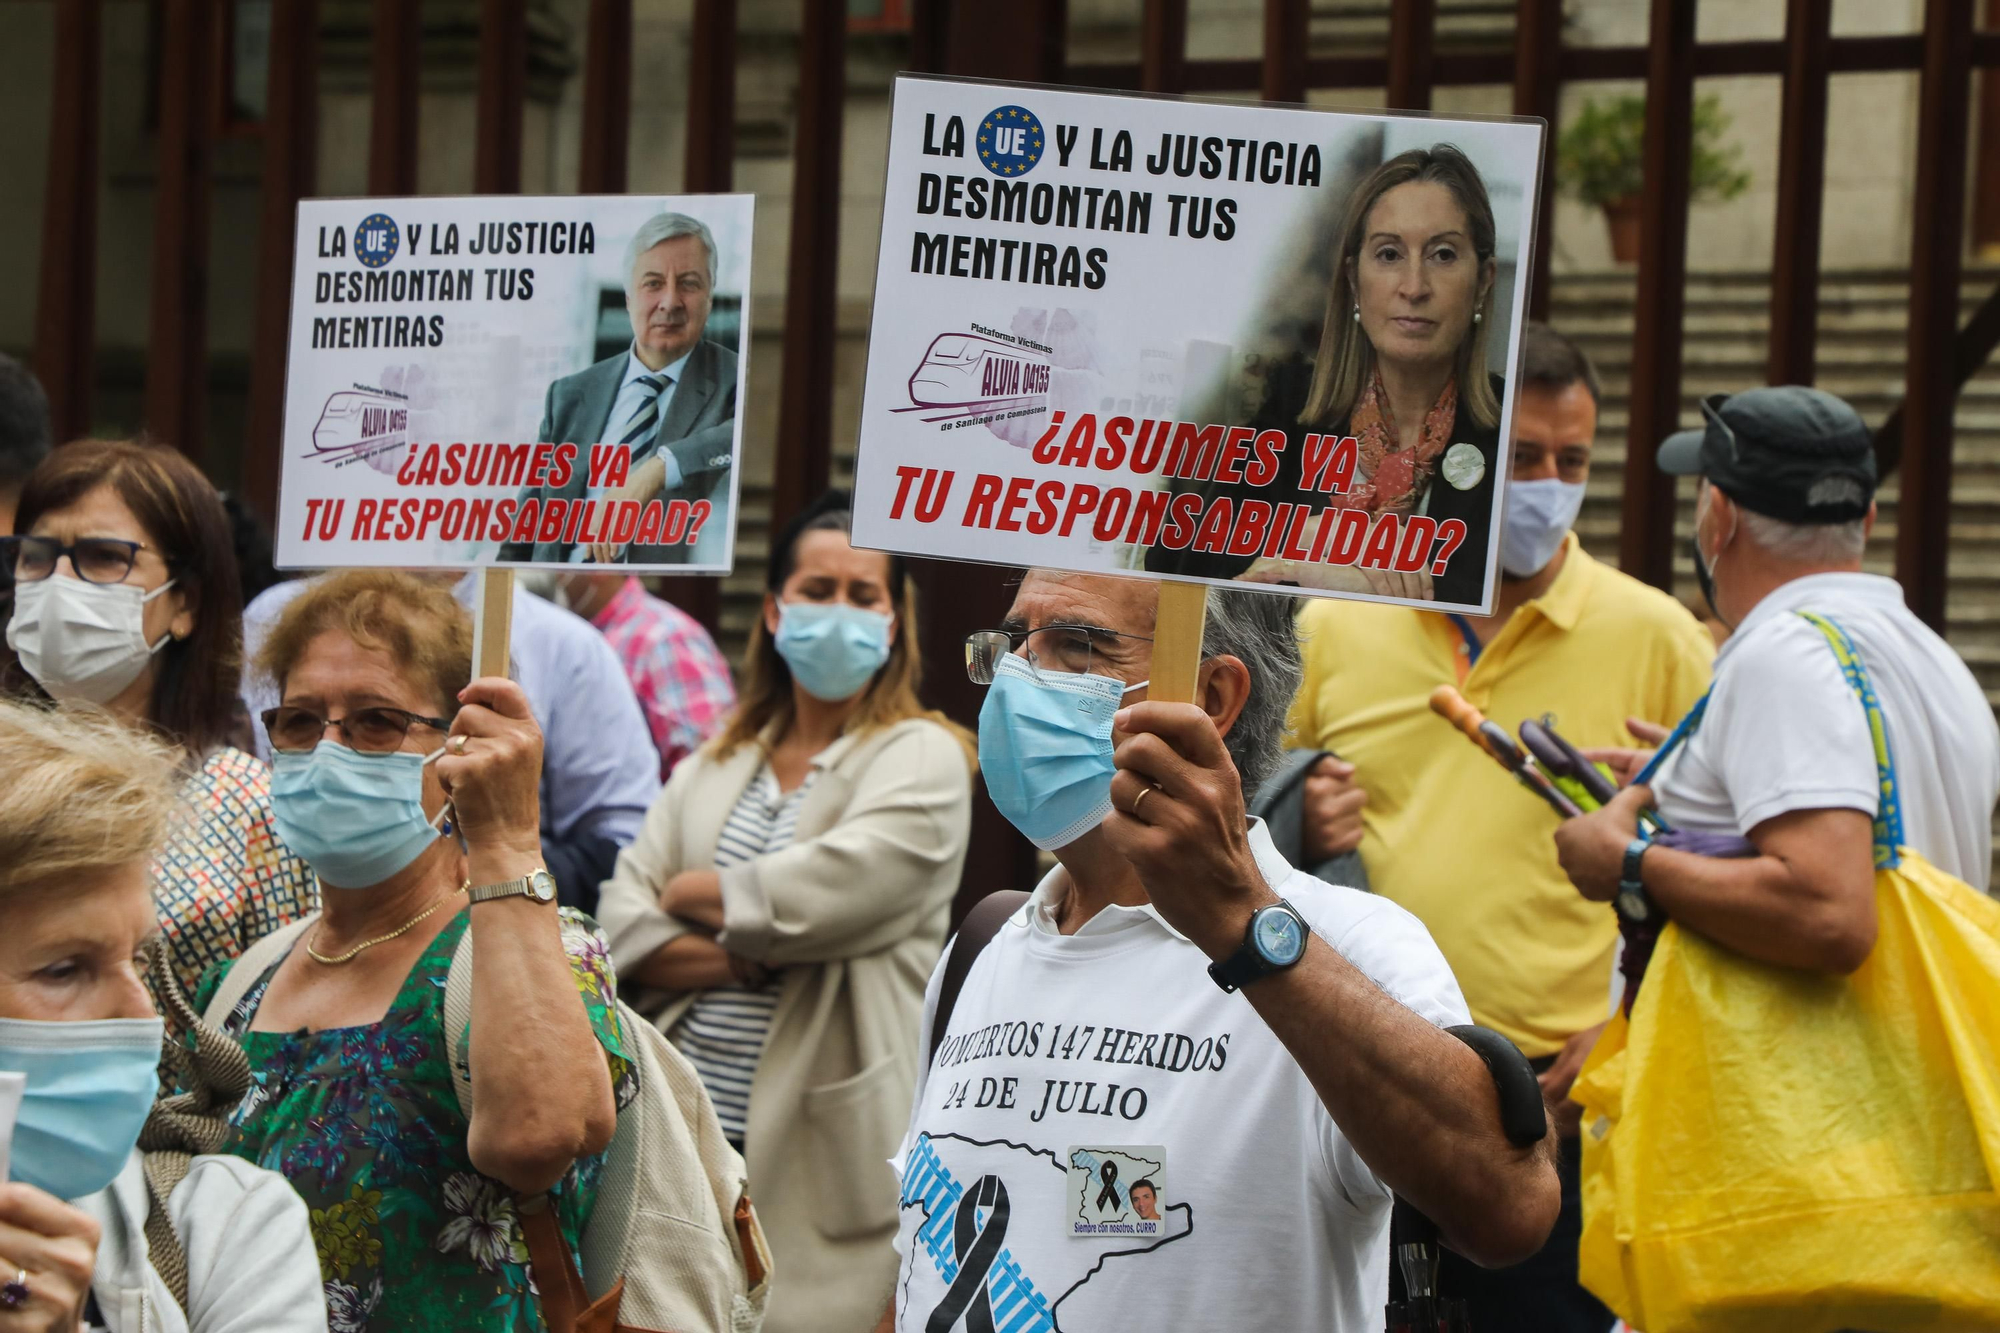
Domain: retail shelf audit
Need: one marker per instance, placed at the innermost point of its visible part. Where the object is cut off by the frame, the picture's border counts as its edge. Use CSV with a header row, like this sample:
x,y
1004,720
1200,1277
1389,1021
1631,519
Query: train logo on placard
x,y
964,370
359,423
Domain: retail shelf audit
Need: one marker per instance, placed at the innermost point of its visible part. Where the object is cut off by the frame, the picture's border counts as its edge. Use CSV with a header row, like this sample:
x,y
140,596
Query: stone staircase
x,y
1863,319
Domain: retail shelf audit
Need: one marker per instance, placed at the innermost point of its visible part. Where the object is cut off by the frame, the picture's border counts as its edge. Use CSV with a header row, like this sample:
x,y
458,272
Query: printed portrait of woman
x,y
1401,366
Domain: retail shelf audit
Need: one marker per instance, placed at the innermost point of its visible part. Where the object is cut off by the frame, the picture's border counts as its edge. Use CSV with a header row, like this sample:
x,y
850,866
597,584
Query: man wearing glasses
x,y
1286,1066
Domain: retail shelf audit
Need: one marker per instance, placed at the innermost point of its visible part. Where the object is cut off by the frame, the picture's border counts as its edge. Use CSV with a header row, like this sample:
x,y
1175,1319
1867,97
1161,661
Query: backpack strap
x,y
981,924
458,1010
1889,836
457,1018
253,964
1291,771
164,1170
186,1124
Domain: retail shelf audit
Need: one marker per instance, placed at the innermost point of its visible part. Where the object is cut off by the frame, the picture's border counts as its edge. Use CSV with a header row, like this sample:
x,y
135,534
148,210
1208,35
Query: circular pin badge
x,y
1464,466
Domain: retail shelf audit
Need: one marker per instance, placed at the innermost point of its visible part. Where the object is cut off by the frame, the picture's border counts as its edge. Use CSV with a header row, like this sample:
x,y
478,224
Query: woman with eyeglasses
x,y
786,901
124,594
413,791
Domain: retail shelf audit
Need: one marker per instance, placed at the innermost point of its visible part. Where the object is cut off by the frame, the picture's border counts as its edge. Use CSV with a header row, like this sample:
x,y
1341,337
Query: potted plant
x,y
1600,159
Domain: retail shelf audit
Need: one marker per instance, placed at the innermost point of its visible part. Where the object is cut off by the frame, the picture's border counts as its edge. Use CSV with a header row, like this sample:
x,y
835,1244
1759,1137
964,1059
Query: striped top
x,y
723,1032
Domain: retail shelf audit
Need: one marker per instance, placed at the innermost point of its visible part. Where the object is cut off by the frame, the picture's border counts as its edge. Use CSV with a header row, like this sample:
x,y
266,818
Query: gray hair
x,y
1256,628
664,227
1806,543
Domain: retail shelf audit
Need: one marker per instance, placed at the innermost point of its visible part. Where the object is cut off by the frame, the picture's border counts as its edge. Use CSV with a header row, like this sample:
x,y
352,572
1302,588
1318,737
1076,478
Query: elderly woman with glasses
x,y
94,1232
124,594
788,897
414,796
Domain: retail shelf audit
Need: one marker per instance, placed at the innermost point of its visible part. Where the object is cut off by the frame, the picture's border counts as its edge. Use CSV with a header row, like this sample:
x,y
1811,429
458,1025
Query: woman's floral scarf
x,y
1395,477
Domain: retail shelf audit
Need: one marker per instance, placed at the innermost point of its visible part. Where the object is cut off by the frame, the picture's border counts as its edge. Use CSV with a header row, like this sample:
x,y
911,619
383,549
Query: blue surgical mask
x,y
355,818
90,1088
833,649
1045,749
1540,514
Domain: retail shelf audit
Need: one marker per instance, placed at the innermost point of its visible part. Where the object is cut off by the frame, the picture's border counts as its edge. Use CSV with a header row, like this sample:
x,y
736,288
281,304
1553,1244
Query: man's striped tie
x,y
646,421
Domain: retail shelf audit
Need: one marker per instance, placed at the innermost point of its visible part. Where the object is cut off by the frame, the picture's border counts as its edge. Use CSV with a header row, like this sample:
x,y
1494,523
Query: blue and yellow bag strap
x,y
1888,809
1682,730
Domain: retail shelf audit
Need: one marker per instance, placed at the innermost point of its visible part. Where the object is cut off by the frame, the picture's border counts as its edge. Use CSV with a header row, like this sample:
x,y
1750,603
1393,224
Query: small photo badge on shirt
x,y
1464,466
1116,1192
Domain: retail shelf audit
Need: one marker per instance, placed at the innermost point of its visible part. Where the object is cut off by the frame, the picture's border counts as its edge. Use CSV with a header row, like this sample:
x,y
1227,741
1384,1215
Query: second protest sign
x,y
1197,341
516,381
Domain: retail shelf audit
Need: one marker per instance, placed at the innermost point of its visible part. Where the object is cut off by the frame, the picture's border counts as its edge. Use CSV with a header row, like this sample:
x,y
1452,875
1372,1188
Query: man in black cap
x,y
1782,752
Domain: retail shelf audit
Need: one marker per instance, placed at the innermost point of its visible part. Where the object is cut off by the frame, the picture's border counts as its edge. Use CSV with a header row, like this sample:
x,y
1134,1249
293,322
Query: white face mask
x,y
82,640
1540,514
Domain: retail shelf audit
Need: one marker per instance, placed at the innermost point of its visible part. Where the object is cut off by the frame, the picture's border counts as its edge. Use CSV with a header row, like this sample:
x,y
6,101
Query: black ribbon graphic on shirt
x,y
976,1248
1107,1198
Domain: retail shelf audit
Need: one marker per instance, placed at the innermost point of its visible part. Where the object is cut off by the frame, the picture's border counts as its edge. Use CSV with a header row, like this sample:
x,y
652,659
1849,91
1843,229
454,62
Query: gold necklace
x,y
403,929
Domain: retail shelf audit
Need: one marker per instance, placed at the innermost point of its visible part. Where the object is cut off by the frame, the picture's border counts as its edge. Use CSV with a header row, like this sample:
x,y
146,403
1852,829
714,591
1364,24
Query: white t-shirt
x,y
1076,1066
1785,731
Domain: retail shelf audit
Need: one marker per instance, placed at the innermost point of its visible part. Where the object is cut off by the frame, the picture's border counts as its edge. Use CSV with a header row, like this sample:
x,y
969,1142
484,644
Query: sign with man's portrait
x,y
1197,340
516,381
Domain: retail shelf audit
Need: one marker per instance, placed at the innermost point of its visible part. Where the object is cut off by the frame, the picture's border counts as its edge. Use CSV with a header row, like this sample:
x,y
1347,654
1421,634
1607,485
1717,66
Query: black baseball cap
x,y
1790,453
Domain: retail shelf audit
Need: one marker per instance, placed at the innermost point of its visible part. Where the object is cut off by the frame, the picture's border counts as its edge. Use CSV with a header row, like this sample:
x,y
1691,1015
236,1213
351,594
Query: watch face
x,y
1279,936
1633,905
543,885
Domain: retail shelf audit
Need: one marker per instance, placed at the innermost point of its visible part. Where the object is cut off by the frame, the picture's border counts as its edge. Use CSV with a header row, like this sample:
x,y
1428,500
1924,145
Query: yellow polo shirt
x,y
1449,834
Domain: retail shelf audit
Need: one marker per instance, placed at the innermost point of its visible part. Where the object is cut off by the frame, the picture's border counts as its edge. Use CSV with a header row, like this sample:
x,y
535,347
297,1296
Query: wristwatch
x,y
1274,940
1632,902
538,885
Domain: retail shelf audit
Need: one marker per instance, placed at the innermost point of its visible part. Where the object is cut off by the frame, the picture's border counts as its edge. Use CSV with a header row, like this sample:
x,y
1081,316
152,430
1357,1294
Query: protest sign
x,y
516,381
1199,341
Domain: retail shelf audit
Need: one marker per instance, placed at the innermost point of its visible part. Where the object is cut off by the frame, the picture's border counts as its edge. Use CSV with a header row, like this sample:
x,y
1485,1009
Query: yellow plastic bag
x,y
1770,1151
1774,1152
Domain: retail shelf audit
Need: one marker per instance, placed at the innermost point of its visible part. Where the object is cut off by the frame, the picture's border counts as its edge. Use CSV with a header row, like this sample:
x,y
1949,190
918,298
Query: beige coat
x,y
855,912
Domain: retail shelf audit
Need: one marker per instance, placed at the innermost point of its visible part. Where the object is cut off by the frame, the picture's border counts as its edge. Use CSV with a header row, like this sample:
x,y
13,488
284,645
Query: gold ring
x,y
458,743
1140,800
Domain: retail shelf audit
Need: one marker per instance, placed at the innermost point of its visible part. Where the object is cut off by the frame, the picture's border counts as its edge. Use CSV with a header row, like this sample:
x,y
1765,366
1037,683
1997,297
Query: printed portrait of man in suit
x,y
670,396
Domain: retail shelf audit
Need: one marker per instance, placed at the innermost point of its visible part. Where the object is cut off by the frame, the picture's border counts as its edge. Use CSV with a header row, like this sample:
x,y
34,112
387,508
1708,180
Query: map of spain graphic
x,y
965,1270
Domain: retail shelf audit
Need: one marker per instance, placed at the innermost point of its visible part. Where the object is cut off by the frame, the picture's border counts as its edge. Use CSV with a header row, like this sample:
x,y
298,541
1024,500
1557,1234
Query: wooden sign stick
x,y
493,623
1177,642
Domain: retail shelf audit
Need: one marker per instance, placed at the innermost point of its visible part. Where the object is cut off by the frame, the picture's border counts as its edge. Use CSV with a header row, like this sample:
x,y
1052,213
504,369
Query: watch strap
x,y
522,886
1632,901
1248,963
506,888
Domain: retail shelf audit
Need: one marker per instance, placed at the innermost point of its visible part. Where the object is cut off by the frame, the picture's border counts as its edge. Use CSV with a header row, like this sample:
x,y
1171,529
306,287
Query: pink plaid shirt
x,y
677,671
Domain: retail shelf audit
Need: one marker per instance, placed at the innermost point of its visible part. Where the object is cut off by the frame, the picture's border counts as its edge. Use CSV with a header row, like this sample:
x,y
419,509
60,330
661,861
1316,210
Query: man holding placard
x,y
1043,391
1271,1133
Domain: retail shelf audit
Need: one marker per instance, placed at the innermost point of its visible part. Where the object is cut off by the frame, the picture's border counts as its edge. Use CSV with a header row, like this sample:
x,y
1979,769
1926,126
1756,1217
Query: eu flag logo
x,y
375,240
1010,141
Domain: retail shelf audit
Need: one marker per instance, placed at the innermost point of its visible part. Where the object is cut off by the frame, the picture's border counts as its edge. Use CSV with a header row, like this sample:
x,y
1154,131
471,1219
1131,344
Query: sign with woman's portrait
x,y
1195,340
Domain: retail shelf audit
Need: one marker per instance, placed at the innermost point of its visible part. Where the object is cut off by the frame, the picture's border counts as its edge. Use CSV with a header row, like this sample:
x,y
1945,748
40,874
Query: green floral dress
x,y
364,1123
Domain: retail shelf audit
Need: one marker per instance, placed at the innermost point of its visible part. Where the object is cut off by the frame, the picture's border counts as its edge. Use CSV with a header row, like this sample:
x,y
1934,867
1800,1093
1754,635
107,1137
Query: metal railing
x,y
1020,40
